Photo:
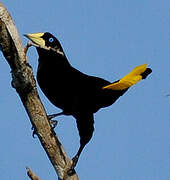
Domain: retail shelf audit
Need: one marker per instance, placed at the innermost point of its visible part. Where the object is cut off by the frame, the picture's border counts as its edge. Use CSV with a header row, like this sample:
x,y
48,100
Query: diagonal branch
x,y
24,83
31,174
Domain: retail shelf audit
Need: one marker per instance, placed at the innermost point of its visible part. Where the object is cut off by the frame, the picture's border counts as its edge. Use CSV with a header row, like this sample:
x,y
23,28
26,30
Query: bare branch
x,y
24,83
32,174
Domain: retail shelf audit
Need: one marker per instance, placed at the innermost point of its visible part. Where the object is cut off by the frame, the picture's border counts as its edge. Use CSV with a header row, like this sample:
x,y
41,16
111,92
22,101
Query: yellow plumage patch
x,y
129,80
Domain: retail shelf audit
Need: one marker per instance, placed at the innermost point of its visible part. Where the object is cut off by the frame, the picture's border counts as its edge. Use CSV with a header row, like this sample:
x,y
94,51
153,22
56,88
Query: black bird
x,y
74,92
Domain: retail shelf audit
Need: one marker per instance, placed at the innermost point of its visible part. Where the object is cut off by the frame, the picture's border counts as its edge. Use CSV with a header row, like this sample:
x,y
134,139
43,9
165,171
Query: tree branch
x,y
25,85
32,174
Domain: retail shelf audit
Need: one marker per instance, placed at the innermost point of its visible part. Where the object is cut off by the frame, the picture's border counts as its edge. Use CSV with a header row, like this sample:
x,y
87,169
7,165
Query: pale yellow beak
x,y
36,38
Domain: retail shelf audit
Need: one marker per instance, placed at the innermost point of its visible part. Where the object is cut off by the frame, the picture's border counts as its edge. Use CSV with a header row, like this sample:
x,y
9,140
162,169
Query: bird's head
x,y
45,40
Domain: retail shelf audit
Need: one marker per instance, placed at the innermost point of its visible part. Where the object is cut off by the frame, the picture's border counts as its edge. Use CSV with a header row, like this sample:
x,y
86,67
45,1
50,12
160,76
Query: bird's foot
x,y
53,123
50,117
54,115
34,132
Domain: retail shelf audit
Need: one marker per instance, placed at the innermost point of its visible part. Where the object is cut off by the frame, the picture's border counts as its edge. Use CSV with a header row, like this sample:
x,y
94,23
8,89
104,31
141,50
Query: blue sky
x,y
106,39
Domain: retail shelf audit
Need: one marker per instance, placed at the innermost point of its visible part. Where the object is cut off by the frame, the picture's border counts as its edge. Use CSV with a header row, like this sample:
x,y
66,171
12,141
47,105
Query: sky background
x,y
106,39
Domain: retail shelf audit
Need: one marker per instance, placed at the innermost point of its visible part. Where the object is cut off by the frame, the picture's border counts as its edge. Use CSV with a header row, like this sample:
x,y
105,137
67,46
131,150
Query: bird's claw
x,y
53,123
34,132
50,117
55,115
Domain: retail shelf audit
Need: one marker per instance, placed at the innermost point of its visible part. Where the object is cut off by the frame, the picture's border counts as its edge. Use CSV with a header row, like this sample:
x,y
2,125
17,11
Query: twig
x,y
32,174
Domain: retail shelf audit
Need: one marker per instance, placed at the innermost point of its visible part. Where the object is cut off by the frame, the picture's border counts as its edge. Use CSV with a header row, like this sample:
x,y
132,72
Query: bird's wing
x,y
138,73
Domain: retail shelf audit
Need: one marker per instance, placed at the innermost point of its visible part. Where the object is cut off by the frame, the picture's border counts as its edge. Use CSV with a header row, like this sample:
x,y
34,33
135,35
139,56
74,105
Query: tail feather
x,y
138,73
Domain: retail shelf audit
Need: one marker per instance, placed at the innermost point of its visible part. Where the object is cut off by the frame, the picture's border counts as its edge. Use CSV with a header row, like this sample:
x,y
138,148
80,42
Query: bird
x,y
74,92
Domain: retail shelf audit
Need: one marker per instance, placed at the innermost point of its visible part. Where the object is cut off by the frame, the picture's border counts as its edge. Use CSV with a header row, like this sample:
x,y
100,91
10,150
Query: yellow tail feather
x,y
129,80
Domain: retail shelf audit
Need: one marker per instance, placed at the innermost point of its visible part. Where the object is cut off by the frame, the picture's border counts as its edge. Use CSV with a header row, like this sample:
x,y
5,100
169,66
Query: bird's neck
x,y
52,56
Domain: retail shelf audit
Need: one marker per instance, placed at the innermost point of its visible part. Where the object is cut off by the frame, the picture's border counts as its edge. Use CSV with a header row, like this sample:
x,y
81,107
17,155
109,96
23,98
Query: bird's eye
x,y
51,40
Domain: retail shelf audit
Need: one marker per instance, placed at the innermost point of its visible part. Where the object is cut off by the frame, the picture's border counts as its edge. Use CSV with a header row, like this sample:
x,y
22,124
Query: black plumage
x,y
74,92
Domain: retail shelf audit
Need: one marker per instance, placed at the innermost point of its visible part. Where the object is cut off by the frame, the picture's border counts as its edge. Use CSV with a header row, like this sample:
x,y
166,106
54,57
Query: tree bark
x,y
24,83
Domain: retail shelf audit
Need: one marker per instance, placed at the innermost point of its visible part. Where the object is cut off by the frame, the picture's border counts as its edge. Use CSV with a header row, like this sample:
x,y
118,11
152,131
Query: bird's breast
x,y
54,81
